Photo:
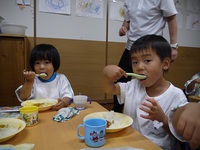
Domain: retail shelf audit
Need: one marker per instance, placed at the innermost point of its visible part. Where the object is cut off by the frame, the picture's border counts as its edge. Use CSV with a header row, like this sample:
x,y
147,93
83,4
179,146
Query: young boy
x,y
148,101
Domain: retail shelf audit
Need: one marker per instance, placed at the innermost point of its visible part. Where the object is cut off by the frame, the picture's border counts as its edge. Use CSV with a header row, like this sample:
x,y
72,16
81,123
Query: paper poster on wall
x,y
193,22
55,6
117,10
90,8
193,5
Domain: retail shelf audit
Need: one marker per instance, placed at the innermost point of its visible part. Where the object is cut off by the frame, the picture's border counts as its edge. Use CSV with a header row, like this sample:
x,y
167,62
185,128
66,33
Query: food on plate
x,y
24,146
6,129
42,104
9,127
39,104
112,120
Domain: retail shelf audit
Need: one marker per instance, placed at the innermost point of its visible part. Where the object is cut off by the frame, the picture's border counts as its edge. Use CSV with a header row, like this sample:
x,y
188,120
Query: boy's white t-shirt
x,y
59,87
133,94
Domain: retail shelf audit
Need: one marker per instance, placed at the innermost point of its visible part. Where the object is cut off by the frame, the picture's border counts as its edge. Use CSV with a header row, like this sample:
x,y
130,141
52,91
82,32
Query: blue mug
x,y
94,132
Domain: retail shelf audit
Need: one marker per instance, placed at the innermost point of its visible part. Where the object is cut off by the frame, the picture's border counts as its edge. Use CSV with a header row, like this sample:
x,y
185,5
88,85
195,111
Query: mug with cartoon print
x,y
94,132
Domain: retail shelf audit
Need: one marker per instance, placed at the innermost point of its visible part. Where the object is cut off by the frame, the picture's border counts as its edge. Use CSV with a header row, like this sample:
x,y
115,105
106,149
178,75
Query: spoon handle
x,y
41,75
136,75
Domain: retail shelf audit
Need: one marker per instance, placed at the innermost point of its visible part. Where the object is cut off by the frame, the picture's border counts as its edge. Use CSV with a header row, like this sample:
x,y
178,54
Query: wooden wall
x,y
83,61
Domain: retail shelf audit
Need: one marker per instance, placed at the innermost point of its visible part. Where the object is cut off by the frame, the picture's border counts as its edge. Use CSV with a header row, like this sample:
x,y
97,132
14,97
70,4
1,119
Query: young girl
x,y
148,101
45,59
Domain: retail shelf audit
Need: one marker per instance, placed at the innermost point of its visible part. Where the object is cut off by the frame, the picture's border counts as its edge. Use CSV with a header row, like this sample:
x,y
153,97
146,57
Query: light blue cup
x,y
94,132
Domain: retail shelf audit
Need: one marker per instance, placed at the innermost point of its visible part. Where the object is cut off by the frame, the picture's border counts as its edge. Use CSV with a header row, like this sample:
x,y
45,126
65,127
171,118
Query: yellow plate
x,y
6,124
126,121
43,104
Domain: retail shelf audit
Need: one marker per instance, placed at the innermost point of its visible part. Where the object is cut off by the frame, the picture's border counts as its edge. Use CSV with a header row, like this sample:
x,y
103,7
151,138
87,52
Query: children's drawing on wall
x,y
55,6
193,22
117,10
89,8
193,5
179,3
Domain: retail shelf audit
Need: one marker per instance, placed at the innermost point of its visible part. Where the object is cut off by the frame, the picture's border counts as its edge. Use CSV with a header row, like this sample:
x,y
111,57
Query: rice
x,y
6,130
112,120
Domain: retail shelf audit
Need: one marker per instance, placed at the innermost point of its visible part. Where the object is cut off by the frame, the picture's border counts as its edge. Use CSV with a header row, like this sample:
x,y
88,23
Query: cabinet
x,y
13,60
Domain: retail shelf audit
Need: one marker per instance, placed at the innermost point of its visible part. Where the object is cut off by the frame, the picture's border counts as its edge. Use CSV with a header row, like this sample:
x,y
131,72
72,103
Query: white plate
x,y
16,124
126,120
46,104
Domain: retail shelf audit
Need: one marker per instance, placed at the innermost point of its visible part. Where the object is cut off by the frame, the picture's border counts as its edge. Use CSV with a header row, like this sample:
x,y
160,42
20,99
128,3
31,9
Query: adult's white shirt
x,y
147,17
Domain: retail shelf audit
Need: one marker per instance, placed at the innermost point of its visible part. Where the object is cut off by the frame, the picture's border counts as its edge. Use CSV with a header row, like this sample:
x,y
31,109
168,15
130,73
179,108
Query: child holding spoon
x,y
44,82
148,101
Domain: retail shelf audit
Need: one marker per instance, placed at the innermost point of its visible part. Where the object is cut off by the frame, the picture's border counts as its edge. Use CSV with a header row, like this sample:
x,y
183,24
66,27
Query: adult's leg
x,y
125,64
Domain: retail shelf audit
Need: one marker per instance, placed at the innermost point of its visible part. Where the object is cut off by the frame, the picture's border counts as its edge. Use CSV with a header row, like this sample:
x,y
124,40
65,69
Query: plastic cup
x,y
29,114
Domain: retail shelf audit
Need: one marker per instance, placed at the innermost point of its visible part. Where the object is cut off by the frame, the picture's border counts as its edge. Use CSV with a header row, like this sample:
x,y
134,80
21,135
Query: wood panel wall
x,y
83,61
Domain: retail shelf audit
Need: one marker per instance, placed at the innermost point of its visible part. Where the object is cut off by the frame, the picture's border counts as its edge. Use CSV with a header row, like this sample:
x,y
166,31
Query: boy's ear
x,y
166,63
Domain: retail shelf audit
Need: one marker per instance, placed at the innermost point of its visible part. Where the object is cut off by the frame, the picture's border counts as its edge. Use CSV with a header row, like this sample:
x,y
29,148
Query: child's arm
x,y
111,74
186,121
155,112
26,89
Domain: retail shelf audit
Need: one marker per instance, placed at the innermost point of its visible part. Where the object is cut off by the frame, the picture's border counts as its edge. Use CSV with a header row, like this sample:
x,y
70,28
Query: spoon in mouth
x,y
137,75
41,75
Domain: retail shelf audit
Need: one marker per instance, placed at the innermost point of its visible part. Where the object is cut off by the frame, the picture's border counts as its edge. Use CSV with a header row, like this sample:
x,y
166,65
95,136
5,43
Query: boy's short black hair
x,y
45,52
154,42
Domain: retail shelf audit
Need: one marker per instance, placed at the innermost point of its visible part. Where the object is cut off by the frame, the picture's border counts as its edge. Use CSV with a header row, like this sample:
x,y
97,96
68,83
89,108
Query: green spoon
x,y
137,75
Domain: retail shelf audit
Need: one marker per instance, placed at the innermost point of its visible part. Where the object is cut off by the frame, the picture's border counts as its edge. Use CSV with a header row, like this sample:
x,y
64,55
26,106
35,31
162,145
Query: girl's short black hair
x,y
45,52
154,42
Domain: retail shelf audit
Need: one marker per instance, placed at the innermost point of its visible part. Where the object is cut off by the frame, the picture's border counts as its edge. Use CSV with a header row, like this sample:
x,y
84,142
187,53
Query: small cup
x,y
80,101
29,114
94,132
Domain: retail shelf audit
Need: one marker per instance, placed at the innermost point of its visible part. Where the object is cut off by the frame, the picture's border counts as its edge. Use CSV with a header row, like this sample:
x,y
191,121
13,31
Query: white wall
x,y
72,27
10,11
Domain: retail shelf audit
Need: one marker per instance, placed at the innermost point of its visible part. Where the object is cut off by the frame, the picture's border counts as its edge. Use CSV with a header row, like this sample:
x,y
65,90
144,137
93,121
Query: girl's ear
x,y
166,64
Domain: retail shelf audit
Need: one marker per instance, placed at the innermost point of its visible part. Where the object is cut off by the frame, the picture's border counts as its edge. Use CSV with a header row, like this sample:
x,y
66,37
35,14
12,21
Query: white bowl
x,y
13,123
13,29
43,104
125,120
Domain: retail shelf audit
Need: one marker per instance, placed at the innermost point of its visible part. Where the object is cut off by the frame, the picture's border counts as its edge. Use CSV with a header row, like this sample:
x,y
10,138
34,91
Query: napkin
x,y
24,146
65,114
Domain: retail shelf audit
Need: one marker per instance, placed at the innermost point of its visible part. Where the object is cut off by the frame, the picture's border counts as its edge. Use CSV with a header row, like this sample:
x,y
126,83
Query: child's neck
x,y
158,88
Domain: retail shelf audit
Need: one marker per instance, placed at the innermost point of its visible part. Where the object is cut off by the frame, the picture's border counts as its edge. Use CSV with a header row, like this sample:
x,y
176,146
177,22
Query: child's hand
x,y
154,110
113,72
29,75
59,105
